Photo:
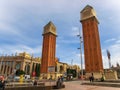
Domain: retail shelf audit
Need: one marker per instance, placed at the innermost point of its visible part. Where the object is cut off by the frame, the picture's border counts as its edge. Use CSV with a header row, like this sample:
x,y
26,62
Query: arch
x,y
61,68
27,69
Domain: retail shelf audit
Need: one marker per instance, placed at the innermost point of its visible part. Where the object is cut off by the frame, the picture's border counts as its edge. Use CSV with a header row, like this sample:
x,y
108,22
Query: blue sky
x,y
22,22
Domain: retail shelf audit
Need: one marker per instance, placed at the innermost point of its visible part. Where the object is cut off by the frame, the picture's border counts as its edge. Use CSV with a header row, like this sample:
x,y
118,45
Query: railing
x,y
24,84
16,84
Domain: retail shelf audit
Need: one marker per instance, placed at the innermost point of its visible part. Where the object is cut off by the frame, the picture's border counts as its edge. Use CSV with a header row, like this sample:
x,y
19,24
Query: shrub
x,y
20,72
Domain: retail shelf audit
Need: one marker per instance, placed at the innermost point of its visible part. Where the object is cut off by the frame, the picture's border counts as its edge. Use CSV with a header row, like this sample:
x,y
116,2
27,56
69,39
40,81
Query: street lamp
x,y
80,37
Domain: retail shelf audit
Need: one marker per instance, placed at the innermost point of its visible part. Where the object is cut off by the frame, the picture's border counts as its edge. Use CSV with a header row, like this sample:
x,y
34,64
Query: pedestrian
x,y
91,78
58,82
61,80
2,84
35,82
61,77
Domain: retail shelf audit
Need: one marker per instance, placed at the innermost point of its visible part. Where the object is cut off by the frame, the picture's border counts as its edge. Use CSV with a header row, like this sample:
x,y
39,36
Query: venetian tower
x,y
48,50
92,48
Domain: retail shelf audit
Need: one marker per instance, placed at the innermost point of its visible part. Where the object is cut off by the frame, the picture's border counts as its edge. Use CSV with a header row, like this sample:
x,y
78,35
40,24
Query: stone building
x,y
117,69
23,61
27,63
61,68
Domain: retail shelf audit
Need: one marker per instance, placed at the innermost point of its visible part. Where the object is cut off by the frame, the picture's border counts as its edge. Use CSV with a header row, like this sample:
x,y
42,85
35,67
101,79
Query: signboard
x,y
34,74
51,69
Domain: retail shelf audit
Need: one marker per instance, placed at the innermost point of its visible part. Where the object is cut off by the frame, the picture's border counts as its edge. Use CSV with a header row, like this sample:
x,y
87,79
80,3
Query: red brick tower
x,y
49,48
92,48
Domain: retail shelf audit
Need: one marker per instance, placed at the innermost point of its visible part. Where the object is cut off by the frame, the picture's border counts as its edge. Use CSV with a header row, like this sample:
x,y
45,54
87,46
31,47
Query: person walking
x,y
2,84
59,82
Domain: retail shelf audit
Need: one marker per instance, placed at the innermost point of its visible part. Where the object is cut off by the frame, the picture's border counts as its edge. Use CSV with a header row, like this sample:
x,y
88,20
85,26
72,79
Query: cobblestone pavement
x,y
76,85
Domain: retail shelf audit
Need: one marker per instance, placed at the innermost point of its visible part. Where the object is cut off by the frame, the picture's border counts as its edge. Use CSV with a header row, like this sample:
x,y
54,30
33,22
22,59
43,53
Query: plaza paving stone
x,y
76,85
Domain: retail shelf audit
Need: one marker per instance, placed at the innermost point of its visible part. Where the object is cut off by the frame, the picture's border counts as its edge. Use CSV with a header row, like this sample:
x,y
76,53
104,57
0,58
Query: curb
x,y
103,84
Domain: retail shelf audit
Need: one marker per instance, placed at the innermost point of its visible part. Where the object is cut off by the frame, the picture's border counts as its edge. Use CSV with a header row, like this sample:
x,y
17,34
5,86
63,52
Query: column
x,y
9,67
6,70
31,67
34,66
23,65
3,67
13,67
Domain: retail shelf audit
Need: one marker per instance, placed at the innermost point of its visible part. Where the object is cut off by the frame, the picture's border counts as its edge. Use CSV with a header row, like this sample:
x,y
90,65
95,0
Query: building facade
x,y
61,69
92,48
23,61
117,69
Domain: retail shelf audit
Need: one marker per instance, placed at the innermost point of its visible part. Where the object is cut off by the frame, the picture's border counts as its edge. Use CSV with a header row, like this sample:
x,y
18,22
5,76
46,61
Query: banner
x,y
51,69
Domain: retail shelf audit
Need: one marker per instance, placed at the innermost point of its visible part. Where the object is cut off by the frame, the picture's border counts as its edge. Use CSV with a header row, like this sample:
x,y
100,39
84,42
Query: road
x,y
76,85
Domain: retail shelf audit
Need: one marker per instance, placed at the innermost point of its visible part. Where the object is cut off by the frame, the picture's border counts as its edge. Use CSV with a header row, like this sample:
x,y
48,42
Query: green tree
x,y
19,72
33,67
73,71
37,70
68,71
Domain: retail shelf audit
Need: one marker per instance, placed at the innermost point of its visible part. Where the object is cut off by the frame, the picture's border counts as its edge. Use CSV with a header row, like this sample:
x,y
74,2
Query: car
x,y
17,78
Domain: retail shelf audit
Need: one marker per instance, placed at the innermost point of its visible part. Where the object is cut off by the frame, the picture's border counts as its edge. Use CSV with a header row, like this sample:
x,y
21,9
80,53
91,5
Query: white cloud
x,y
118,41
75,31
110,40
68,41
7,29
12,49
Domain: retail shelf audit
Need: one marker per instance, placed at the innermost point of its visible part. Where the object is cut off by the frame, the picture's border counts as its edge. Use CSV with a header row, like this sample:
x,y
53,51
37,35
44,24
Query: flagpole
x,y
109,61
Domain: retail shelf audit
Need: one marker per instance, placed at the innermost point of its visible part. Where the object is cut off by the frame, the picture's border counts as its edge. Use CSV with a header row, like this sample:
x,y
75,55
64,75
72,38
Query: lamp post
x,y
80,37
